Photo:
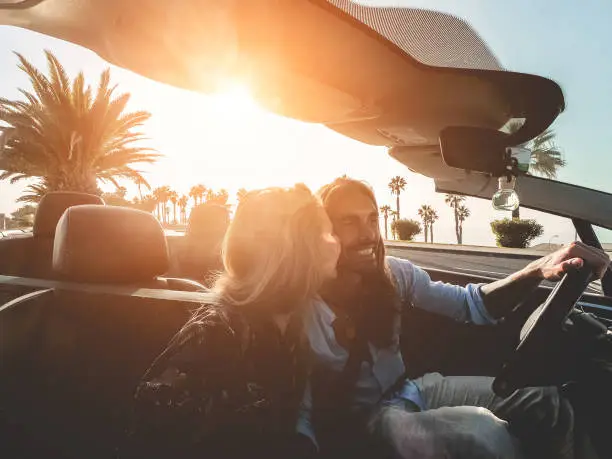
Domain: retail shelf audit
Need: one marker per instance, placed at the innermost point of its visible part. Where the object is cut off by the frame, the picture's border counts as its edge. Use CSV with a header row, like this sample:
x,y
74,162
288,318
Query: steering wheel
x,y
530,359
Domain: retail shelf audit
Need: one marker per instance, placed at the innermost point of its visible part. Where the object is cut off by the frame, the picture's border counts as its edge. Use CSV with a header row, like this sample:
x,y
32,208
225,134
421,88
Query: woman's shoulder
x,y
213,337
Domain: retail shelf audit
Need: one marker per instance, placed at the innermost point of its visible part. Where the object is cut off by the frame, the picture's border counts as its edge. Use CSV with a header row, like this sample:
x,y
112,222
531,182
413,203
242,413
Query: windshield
x,y
227,142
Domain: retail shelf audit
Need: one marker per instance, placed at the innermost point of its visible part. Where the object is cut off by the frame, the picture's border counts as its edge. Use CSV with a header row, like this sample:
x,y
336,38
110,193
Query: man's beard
x,y
360,259
373,301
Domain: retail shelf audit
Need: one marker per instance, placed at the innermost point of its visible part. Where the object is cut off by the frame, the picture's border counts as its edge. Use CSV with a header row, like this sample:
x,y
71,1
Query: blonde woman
x,y
231,382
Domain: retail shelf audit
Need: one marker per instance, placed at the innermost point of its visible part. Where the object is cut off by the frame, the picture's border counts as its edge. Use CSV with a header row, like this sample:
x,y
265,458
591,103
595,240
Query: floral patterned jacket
x,y
226,386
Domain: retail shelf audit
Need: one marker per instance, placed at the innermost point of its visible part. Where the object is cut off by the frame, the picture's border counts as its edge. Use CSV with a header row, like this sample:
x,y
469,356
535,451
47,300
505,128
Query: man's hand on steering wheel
x,y
503,296
536,356
569,258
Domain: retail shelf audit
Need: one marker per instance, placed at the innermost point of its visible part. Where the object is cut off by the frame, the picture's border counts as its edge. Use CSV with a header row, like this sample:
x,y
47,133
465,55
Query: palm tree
x,y
397,185
546,158
385,212
173,197
424,214
455,202
433,216
158,196
219,197
202,190
140,182
148,203
162,195
241,193
197,193
194,193
462,214
69,136
33,193
183,202
155,195
429,217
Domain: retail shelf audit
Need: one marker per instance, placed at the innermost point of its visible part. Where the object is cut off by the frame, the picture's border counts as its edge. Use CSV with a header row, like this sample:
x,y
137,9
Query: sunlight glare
x,y
235,99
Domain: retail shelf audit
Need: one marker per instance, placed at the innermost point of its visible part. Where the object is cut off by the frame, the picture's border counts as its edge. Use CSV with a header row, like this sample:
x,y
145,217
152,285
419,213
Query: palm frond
x,y
59,79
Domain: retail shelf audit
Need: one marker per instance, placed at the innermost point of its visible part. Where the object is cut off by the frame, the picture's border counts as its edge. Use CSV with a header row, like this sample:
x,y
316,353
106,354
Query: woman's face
x,y
330,249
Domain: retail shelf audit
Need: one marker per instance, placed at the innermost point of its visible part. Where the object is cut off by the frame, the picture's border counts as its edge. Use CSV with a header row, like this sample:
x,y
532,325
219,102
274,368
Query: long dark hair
x,y
379,300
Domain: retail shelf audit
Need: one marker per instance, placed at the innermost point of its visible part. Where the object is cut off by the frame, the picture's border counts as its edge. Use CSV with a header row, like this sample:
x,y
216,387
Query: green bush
x,y
406,229
516,233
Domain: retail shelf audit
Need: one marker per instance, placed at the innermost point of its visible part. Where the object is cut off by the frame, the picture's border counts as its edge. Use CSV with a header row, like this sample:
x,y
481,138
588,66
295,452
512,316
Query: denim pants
x,y
465,419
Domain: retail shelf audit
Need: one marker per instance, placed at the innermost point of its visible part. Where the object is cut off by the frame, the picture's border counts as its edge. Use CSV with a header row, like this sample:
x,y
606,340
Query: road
x,y
493,266
497,266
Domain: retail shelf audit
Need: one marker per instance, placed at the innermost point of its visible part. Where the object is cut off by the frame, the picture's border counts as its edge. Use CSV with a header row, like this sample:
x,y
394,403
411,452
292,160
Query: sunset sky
x,y
226,141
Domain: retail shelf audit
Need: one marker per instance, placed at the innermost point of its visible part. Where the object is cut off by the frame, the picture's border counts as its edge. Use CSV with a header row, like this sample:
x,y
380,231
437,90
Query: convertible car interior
x,y
84,304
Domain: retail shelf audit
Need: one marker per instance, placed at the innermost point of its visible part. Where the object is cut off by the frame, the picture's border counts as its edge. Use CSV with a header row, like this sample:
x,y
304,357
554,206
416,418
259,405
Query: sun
x,y
235,99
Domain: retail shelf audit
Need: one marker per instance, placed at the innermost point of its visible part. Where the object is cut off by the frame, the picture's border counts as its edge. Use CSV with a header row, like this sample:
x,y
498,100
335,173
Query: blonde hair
x,y
272,249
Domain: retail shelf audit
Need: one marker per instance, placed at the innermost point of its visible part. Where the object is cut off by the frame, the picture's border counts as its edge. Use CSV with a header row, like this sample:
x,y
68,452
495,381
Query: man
x,y
354,333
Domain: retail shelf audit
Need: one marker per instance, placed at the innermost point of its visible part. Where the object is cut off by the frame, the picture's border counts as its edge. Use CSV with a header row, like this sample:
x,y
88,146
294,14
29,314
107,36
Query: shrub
x,y
406,229
516,233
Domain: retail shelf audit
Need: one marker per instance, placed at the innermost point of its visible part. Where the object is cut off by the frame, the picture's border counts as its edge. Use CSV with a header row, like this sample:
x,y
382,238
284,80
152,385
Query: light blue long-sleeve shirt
x,y
464,304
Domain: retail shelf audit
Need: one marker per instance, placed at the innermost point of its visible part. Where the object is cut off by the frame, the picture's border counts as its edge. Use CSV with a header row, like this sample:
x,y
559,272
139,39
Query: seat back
x,y
73,362
197,255
75,355
31,255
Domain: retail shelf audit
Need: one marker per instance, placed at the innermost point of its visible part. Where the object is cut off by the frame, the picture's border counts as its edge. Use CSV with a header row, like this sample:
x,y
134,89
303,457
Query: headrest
x,y
53,205
106,244
208,219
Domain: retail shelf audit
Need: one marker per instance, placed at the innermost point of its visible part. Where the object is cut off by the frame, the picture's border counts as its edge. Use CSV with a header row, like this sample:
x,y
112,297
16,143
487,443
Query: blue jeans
x,y
465,419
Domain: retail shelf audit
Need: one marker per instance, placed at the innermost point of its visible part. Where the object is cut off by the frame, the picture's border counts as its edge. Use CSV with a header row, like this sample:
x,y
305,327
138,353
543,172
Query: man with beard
x,y
358,388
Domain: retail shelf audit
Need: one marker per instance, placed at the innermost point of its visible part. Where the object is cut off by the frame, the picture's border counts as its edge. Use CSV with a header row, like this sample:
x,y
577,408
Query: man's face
x,y
355,220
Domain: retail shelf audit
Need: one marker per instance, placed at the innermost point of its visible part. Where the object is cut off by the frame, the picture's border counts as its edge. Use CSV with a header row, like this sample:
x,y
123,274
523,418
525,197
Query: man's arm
x,y
502,296
484,304
415,287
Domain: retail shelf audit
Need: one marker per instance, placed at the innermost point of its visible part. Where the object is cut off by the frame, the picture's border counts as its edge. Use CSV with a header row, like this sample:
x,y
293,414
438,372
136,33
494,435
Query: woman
x,y
231,381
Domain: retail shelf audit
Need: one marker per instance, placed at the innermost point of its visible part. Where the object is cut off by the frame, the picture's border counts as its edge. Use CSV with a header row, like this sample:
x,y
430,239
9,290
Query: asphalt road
x,y
492,266
497,266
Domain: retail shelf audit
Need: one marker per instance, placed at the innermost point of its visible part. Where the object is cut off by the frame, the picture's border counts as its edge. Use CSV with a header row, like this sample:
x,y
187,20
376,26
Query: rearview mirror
x,y
475,149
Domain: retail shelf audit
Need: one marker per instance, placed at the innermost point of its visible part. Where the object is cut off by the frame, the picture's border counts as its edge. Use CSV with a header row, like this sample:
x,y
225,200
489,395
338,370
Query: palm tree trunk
x,y
386,225
174,212
426,232
431,233
397,205
457,226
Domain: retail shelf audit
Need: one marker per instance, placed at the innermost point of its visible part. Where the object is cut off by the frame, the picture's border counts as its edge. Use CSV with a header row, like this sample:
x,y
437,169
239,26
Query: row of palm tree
x,y
461,212
429,217
163,199
427,213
